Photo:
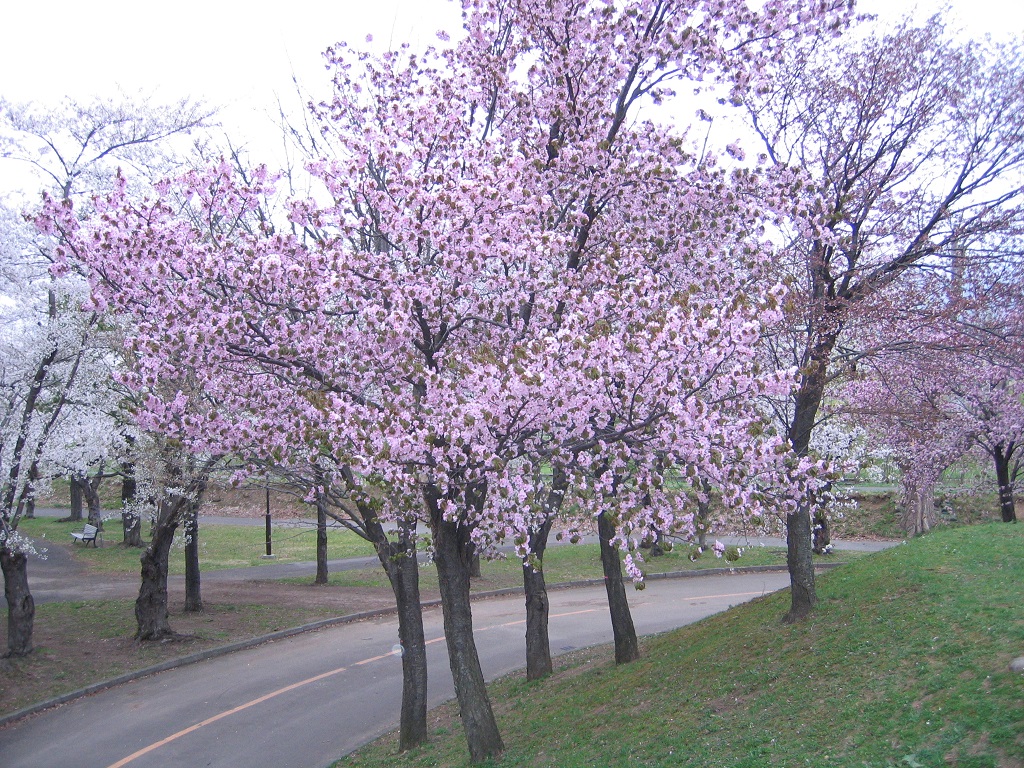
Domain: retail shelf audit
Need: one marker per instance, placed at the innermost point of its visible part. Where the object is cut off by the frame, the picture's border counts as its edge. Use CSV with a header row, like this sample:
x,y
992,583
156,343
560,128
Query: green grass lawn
x,y
574,562
236,546
904,664
220,546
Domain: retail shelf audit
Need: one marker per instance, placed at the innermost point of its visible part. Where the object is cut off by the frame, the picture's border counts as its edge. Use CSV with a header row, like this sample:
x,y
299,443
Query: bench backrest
x,y
89,530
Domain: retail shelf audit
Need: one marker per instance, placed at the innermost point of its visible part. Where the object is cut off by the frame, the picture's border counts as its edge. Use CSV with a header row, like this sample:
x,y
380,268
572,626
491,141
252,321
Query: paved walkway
x,y
305,701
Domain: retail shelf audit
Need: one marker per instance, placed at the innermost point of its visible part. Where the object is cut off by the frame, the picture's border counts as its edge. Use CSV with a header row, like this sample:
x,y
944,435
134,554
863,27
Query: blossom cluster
x,y
504,269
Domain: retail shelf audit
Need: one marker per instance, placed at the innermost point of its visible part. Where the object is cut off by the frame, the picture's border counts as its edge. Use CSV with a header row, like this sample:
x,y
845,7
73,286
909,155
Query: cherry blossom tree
x,y
575,120
988,390
56,360
43,355
285,437
506,269
936,405
77,147
912,146
903,409
173,483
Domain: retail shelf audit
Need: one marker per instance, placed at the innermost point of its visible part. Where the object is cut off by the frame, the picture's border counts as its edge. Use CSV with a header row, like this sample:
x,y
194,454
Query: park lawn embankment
x,y
578,562
904,664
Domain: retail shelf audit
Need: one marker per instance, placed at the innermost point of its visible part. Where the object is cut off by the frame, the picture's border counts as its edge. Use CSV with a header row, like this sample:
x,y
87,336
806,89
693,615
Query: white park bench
x,y
89,533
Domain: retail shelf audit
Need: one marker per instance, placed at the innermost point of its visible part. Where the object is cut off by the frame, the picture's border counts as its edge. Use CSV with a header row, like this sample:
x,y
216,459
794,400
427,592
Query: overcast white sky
x,y
240,55
225,51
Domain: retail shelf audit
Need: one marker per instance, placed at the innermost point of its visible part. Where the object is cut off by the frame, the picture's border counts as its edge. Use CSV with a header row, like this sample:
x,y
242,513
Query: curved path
x,y
305,701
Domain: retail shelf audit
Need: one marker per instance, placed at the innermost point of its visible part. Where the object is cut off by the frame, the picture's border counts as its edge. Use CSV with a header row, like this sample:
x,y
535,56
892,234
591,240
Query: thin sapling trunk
x,y
193,586
130,519
321,543
1002,455
538,607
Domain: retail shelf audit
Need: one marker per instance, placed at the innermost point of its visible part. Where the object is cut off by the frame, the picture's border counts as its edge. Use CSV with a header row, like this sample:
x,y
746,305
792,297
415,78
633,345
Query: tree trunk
x,y
657,549
21,608
321,545
821,533
130,519
193,589
801,565
626,646
803,595
91,489
77,500
702,522
406,586
918,506
452,556
151,606
30,501
1002,455
402,568
538,607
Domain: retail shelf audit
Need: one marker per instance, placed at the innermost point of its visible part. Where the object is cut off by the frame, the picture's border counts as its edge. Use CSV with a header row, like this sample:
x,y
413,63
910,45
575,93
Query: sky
x,y
241,56
230,53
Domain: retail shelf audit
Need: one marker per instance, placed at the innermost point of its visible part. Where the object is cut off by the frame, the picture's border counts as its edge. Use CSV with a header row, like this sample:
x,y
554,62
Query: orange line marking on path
x,y
208,721
222,715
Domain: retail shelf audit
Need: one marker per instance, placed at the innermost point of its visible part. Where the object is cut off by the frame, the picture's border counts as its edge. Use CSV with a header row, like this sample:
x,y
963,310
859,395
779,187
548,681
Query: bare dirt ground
x,y
225,501
309,598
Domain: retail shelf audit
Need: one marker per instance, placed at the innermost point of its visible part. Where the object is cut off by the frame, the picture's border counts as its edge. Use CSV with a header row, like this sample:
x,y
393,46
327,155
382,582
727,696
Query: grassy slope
x,y
903,664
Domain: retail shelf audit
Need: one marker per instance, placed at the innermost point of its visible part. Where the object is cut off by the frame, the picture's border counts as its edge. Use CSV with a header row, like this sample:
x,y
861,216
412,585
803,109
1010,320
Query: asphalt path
x,y
305,701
